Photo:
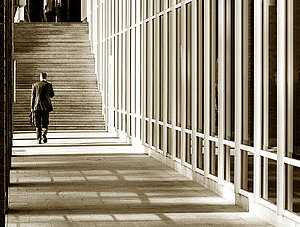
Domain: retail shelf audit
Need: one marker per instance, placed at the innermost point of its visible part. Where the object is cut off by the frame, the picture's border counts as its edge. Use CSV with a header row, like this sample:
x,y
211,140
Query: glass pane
x,y
200,84
229,76
189,66
161,73
296,80
178,144
229,153
155,54
160,137
147,68
248,78
200,153
269,179
178,67
188,148
269,139
293,189
169,136
214,152
247,159
170,79
214,73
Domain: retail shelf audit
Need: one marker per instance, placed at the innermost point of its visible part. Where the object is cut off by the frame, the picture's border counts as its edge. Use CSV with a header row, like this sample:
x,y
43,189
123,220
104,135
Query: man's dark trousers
x,y
41,122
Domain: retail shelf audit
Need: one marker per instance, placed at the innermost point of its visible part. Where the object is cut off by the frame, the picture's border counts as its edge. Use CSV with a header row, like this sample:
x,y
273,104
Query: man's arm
x,y
51,91
33,95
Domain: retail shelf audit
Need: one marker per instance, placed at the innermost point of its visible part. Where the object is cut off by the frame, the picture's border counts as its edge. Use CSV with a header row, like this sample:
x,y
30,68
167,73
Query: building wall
x,y
187,81
83,9
5,102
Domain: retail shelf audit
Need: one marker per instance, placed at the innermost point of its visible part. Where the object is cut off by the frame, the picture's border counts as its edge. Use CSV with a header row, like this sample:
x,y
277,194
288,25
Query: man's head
x,y
43,76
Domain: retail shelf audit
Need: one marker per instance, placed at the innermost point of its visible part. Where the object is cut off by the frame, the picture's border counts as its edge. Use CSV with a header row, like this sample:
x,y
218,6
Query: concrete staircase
x,y
63,51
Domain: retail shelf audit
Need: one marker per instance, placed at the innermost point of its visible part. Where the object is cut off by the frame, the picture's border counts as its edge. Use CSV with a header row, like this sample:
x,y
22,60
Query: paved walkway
x,y
107,187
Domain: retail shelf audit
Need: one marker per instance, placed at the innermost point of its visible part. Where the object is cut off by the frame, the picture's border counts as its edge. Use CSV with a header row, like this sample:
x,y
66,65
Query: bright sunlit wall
x,y
209,87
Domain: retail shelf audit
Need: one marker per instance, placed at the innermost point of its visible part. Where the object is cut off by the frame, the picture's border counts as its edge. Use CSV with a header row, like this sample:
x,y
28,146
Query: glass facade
x,y
209,86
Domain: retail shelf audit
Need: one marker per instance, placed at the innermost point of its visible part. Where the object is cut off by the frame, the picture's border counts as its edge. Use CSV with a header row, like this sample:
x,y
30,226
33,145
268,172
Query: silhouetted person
x,y
41,95
49,10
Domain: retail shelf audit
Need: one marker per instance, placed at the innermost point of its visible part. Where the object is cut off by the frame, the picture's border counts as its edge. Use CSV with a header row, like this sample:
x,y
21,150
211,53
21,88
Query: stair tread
x,y
63,50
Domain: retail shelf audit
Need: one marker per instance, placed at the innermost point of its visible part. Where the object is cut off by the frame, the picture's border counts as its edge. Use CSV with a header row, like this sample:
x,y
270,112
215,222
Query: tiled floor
x,y
108,189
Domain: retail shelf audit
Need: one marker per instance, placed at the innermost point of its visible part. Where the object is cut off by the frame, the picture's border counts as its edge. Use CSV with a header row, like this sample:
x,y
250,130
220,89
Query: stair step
x,y
47,56
63,50
86,85
66,110
21,79
25,117
41,35
62,127
53,48
55,61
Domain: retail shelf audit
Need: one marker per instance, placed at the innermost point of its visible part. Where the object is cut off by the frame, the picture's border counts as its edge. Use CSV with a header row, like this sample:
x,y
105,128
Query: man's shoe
x,y
39,141
45,140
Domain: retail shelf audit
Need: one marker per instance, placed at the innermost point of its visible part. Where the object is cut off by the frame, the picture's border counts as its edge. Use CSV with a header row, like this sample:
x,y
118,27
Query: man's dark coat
x,y
40,97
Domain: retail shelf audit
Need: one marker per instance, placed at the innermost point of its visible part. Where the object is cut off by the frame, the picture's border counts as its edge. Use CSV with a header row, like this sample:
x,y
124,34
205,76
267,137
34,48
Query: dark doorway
x,y
70,10
35,8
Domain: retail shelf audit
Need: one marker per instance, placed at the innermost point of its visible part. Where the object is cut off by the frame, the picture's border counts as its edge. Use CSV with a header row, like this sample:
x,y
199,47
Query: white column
x,y
156,77
290,103
207,45
183,81
281,102
245,96
150,85
257,96
265,140
238,93
194,83
138,71
221,77
164,99
173,72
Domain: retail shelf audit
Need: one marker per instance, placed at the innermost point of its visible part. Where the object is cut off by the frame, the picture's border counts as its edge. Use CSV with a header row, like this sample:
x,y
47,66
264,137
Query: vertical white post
x,y
120,64
156,77
245,95
133,72
194,83
138,71
112,76
221,78
227,95
213,87
173,76
238,93
144,71
265,94
257,96
124,62
281,102
127,66
207,46
165,97
183,81
150,85
290,103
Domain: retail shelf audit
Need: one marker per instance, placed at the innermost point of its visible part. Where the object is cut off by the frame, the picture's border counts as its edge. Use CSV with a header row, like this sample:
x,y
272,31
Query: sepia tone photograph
x,y
149,113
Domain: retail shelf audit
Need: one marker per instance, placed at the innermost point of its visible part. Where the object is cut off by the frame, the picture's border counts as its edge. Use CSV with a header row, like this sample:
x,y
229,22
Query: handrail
x,y
15,80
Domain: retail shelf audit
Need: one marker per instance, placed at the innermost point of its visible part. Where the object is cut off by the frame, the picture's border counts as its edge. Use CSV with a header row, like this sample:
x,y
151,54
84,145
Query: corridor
x,y
96,179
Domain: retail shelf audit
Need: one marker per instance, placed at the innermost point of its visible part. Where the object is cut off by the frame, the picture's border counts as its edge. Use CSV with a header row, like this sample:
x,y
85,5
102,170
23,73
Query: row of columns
x,y
126,48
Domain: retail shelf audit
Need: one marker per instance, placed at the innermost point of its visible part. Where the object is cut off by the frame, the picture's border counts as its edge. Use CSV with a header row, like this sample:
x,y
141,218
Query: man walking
x,y
41,95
